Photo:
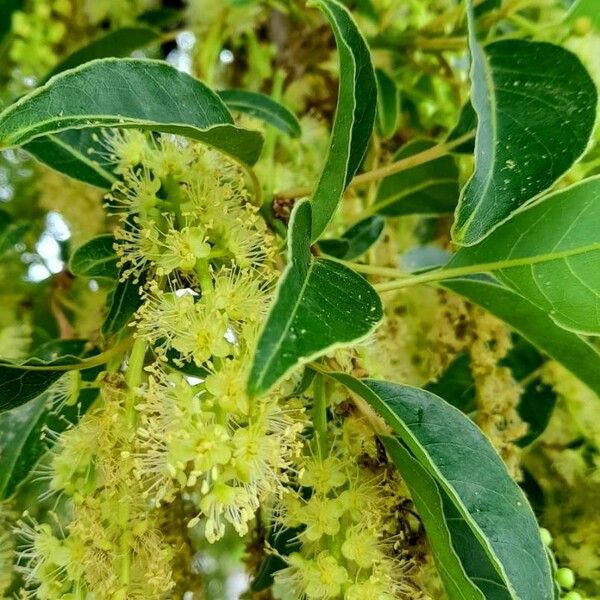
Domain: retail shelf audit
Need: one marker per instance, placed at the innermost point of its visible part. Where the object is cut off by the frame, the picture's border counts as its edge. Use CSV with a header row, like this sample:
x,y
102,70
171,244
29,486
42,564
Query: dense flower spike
x,y
144,469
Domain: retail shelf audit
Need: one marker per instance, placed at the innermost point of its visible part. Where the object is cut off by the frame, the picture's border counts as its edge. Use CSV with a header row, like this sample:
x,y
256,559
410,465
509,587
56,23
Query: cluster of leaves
x,y
527,252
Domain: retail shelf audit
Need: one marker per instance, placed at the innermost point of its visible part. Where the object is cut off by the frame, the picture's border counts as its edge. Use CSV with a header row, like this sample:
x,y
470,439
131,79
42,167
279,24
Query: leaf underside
x,y
556,243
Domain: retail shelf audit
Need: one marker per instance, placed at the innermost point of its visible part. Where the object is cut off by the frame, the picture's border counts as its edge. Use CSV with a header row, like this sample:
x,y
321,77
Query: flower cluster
x,y
111,545
344,509
208,441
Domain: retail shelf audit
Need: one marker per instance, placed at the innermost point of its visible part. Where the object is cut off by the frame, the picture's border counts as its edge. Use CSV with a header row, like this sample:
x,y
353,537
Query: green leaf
x,y
572,351
536,108
388,104
264,108
120,42
467,468
128,93
456,384
429,189
21,382
354,115
22,435
429,503
550,254
467,122
535,408
95,258
356,241
320,305
71,153
123,302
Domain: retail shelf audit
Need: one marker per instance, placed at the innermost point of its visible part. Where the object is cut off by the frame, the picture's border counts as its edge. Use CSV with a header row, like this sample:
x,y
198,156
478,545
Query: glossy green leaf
x,y
120,42
160,17
388,104
320,305
536,108
23,439
95,258
24,381
428,500
550,254
354,115
356,241
427,189
122,302
128,93
467,468
574,352
262,107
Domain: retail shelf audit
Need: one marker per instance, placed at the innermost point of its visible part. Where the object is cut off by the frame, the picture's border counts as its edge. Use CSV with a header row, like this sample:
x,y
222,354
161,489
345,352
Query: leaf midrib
x,y
489,80
276,349
81,157
429,465
24,136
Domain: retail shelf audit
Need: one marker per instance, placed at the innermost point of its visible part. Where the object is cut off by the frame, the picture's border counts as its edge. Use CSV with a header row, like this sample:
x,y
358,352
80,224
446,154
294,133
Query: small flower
x,y
320,578
371,589
323,474
321,517
362,546
227,503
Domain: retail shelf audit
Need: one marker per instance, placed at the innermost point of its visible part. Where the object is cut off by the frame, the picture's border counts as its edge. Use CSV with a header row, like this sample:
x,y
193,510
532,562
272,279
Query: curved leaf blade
x,y
536,109
95,258
388,104
128,93
320,305
122,304
72,153
429,502
354,115
121,42
535,325
427,189
550,254
467,468
356,241
22,439
262,107
21,382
